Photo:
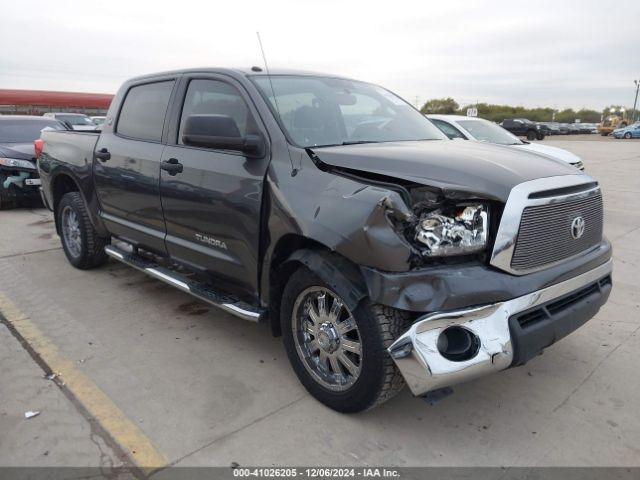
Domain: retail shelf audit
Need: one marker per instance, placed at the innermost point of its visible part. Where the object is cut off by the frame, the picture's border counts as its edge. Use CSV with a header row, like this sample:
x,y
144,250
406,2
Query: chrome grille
x,y
545,234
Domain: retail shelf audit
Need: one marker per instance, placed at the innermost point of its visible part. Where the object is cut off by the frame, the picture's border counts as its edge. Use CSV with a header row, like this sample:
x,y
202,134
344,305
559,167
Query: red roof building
x,y
37,102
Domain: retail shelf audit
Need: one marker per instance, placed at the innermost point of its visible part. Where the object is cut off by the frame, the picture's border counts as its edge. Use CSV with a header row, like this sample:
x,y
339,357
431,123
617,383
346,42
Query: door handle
x,y
171,166
103,155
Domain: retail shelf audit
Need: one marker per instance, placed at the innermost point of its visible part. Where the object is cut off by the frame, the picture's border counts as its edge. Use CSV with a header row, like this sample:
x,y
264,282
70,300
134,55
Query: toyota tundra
x,y
330,208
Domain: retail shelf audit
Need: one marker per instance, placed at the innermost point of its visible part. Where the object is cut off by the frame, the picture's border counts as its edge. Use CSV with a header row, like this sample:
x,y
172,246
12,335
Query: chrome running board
x,y
199,290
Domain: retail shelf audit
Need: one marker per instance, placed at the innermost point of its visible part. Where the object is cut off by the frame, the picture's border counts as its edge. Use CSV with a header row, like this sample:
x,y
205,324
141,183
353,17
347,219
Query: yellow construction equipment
x,y
611,122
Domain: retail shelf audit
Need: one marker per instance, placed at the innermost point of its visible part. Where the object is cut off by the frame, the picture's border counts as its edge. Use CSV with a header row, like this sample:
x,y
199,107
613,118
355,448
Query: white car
x,y
75,121
98,120
481,130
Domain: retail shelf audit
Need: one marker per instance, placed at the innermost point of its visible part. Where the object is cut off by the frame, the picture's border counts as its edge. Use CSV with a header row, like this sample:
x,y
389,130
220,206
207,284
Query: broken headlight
x,y
17,163
456,230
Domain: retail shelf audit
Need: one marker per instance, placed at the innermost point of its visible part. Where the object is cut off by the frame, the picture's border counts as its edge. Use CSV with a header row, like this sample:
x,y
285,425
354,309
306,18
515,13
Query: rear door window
x,y
143,111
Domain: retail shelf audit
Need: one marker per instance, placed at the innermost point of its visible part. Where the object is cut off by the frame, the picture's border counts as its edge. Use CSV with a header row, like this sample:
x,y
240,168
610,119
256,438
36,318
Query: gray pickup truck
x,y
382,252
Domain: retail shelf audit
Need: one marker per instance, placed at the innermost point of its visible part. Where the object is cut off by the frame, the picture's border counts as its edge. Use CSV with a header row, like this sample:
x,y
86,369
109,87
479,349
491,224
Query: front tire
x,y
340,355
81,243
627,135
531,135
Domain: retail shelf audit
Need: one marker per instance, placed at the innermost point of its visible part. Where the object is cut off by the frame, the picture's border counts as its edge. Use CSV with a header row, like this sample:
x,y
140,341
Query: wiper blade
x,y
357,142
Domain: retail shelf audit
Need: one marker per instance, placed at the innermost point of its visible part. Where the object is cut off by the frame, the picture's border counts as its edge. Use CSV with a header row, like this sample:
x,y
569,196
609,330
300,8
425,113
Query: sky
x,y
544,53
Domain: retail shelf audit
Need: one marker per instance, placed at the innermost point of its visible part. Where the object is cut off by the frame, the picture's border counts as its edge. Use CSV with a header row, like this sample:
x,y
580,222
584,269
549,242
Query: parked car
x,y
98,120
584,128
524,128
474,128
333,210
551,127
19,181
632,131
75,121
574,128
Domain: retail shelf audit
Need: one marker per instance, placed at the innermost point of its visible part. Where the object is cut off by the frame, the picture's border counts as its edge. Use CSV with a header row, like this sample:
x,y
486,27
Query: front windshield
x,y
21,131
322,111
75,119
486,131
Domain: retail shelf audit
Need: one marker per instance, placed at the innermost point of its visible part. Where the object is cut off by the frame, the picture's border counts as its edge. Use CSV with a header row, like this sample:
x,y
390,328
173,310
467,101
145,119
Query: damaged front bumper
x,y
19,183
446,348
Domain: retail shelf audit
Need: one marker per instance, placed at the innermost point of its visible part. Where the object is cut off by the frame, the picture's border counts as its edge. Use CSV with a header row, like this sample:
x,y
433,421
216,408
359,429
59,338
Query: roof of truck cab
x,y
239,71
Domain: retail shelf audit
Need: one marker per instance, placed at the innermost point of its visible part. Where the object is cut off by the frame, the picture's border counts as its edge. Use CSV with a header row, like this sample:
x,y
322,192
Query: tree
x,y
566,116
616,110
589,116
442,106
497,113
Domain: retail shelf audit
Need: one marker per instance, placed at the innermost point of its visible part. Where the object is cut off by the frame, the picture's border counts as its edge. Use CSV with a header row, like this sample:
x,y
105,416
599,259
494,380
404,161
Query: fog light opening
x,y
458,344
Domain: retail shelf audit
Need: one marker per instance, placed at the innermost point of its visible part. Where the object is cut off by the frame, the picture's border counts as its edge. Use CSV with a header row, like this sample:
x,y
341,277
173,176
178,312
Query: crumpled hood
x,y
482,170
21,151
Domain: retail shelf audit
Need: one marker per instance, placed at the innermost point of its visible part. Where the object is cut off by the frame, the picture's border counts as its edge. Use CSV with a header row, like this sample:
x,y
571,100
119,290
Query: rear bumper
x,y
509,333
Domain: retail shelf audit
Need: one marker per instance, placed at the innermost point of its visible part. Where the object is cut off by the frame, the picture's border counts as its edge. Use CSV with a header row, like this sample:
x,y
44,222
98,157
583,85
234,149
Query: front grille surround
x,y
535,206
545,237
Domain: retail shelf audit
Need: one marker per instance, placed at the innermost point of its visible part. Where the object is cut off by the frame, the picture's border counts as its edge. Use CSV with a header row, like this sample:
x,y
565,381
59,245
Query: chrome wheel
x,y
71,231
327,338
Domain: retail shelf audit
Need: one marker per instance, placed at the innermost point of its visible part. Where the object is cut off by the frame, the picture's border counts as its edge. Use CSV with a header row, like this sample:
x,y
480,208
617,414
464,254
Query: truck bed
x,y
70,146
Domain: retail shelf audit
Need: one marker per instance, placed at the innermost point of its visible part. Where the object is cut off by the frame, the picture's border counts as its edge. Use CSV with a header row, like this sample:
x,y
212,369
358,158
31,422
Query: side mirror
x,y
220,131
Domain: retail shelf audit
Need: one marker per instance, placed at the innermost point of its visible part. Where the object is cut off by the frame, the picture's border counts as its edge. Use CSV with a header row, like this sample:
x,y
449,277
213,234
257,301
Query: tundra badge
x,y
211,241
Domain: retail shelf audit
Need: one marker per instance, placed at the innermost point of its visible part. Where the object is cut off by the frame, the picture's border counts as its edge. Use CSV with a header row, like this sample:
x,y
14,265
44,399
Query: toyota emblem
x,y
577,227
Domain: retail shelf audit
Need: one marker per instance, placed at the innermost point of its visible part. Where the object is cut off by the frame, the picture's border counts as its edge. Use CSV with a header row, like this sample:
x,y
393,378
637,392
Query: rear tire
x,y
81,243
376,327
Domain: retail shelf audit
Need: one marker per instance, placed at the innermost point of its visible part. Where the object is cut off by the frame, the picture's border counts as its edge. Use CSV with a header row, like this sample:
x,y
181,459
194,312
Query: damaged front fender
x,y
362,222
368,219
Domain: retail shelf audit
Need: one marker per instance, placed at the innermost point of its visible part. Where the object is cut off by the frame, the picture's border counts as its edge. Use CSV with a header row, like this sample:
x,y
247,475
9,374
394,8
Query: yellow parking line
x,y
123,431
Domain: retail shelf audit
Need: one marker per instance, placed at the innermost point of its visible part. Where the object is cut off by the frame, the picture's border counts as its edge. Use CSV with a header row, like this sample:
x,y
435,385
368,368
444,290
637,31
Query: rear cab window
x,y
143,111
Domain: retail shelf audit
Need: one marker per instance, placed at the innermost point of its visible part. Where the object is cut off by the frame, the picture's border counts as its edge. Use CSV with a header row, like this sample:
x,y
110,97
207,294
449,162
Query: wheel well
x,y
285,261
62,185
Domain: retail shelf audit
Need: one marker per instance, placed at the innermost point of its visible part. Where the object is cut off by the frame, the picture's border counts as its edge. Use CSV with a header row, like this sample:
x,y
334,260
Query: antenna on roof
x,y
294,170
266,66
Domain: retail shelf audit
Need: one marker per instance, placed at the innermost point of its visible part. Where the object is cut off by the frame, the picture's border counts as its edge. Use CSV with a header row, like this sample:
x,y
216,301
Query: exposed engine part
x,y
452,230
